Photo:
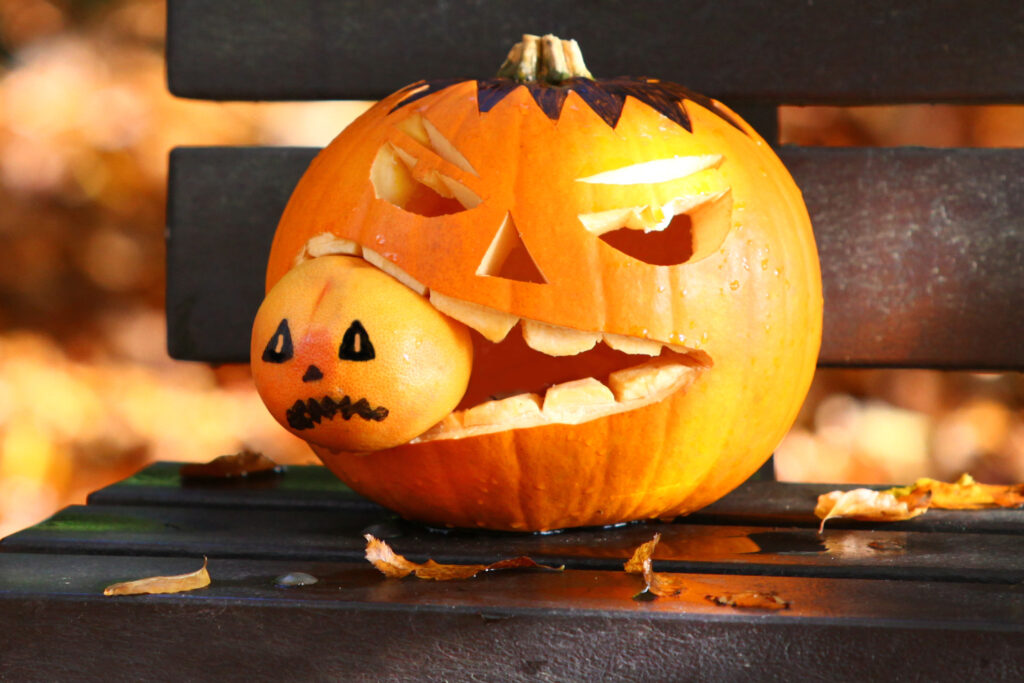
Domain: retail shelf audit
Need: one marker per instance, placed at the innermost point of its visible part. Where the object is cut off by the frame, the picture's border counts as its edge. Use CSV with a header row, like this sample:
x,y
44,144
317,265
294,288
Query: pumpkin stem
x,y
546,59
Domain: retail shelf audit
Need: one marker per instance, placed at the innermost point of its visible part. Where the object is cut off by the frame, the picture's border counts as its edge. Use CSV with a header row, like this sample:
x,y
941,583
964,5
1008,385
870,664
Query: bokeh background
x,y
88,394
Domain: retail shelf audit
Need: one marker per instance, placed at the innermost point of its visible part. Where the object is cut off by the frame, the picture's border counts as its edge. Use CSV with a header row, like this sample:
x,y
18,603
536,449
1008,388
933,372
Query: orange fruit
x,y
348,358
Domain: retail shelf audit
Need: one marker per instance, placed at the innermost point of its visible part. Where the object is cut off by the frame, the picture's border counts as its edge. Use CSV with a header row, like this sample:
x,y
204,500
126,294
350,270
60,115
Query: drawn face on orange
x,y
347,358
640,276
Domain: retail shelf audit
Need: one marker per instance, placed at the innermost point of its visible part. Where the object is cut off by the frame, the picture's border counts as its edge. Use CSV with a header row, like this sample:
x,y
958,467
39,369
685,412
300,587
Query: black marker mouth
x,y
309,413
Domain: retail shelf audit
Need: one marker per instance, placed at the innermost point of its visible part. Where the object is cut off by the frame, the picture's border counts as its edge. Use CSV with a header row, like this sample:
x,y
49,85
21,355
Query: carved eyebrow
x,y
656,171
429,140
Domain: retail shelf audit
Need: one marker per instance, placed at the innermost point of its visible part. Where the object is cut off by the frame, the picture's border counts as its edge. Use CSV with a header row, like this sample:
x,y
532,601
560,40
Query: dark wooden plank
x,y
222,209
701,548
784,51
922,254
313,487
299,487
574,625
515,626
922,250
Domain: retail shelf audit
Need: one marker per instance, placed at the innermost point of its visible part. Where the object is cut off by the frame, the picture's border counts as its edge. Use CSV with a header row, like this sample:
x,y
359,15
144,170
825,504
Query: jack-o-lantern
x,y
653,251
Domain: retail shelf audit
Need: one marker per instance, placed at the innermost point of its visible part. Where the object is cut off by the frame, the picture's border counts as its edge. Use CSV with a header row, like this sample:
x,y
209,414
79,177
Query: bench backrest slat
x,y
922,250
790,51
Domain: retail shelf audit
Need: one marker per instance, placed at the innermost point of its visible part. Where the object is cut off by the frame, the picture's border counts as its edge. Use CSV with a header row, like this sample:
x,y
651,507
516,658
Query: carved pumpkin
x,y
651,249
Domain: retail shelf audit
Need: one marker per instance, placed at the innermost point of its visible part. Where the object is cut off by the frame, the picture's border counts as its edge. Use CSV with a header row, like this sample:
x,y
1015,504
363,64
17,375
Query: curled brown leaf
x,y
656,585
869,505
242,464
965,494
395,566
162,584
750,600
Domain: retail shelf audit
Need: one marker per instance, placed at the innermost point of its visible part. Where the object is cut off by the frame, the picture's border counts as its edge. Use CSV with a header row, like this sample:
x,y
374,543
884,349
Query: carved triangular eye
x,y
279,348
355,345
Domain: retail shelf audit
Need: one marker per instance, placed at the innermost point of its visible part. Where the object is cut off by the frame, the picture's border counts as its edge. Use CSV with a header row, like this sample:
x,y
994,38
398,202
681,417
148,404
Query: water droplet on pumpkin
x,y
734,285
764,264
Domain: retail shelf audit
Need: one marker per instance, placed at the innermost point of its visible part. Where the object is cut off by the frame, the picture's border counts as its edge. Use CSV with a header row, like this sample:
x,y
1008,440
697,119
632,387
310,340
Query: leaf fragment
x,y
395,566
965,493
869,505
162,584
750,600
241,464
656,585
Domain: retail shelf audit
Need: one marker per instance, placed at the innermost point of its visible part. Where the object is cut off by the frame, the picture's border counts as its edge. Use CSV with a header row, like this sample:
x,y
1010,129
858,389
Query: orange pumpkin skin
x,y
748,301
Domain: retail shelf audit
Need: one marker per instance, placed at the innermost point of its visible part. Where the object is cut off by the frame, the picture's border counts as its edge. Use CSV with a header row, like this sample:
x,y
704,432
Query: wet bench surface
x,y
938,594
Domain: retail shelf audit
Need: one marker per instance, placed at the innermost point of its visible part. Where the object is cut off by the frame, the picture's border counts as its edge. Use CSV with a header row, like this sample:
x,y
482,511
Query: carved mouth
x,y
547,374
311,412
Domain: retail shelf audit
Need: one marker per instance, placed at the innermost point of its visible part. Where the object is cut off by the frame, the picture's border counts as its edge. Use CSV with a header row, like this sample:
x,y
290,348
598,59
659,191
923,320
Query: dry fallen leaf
x,y
394,566
965,494
869,506
240,464
750,600
162,584
656,585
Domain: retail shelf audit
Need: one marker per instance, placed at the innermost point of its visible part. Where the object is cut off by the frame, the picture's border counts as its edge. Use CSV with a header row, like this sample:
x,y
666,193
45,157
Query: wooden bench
x,y
923,263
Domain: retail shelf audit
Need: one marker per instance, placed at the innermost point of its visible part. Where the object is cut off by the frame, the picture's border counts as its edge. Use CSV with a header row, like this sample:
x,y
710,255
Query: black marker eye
x,y
355,345
279,348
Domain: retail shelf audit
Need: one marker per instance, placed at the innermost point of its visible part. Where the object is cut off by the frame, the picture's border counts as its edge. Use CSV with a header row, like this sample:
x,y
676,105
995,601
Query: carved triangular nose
x,y
312,374
507,256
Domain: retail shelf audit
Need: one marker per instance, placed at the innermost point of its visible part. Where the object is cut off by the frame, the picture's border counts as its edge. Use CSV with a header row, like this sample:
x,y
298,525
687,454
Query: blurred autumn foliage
x,y
87,392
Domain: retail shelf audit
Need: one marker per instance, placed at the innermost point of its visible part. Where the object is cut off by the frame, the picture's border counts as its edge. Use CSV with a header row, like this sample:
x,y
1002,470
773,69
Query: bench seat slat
x,y
878,552
922,250
787,51
516,626
314,487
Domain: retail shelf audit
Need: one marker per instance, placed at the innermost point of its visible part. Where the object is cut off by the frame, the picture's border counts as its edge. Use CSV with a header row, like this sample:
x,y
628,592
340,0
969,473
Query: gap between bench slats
x,y
788,51
922,250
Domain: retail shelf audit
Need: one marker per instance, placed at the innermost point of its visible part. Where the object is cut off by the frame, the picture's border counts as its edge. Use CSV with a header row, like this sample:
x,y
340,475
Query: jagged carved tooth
x,y
575,399
492,324
452,423
394,271
557,341
326,244
633,345
642,381
504,411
